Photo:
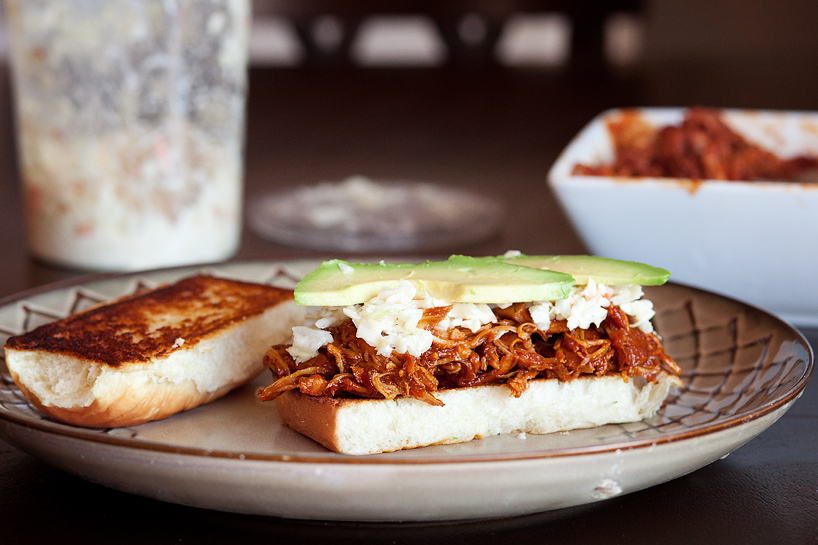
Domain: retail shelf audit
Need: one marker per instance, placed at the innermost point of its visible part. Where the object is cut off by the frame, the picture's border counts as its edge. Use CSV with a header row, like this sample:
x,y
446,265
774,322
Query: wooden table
x,y
495,131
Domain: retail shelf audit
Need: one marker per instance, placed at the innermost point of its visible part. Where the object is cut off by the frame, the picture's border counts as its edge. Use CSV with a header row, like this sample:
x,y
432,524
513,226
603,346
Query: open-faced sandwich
x,y
410,355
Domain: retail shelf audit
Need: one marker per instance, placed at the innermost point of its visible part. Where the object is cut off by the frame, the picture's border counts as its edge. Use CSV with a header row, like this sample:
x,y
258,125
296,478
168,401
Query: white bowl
x,y
754,241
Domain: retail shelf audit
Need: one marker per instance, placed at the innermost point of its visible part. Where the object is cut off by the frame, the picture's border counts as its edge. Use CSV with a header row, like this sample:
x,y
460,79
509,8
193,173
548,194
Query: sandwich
x,y
152,354
404,356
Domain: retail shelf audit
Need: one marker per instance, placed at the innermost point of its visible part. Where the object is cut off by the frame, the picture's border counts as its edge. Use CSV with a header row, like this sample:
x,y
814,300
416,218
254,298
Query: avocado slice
x,y
459,279
602,270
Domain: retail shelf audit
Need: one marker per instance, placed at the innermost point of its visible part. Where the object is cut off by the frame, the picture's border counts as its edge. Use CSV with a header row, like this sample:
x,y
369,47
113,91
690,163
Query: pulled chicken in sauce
x,y
702,147
511,350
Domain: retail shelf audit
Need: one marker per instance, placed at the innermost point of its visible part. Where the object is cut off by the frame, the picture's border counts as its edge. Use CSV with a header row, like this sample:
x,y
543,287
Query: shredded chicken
x,y
512,351
702,147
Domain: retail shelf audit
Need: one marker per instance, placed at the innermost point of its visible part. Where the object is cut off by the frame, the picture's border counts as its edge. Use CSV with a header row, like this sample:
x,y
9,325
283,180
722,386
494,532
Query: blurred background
x,y
477,94
480,95
292,33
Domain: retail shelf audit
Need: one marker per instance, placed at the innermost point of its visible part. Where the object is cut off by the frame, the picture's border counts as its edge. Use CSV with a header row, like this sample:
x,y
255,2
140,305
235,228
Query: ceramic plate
x,y
743,369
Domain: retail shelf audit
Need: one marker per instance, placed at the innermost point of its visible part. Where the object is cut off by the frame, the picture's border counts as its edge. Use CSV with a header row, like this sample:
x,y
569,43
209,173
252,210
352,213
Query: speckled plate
x,y
743,369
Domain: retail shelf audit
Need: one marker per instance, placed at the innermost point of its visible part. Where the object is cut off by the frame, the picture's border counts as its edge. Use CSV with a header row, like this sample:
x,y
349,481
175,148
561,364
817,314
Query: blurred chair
x,y
469,28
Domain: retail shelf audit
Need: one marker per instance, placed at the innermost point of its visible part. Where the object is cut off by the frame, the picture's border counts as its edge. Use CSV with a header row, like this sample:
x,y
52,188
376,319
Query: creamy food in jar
x,y
130,120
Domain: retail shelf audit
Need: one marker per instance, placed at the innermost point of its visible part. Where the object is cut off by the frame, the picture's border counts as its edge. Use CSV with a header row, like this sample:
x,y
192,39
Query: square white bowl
x,y
754,241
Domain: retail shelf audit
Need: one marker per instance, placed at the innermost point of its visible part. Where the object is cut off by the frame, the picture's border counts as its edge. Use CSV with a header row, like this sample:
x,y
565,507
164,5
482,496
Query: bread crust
x,y
150,355
370,426
134,406
315,417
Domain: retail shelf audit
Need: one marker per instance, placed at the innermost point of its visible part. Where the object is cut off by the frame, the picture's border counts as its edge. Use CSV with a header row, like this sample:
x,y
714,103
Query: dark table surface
x,y
495,131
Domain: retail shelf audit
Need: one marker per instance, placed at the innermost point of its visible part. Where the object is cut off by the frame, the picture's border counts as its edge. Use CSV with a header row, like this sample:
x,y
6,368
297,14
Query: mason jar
x,y
130,121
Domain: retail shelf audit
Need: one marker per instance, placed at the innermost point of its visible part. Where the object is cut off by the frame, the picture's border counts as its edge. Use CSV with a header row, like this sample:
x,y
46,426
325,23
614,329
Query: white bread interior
x,y
365,426
94,394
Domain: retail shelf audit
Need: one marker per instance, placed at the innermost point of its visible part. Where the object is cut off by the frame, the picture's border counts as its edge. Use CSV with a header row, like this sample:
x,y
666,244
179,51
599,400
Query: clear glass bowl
x,y
362,215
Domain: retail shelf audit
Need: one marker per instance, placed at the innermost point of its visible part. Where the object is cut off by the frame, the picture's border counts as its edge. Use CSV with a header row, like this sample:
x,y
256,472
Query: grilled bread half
x,y
150,355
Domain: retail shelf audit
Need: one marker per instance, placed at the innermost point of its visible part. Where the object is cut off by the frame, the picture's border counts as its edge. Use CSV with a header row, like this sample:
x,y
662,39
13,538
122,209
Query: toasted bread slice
x,y
370,426
150,355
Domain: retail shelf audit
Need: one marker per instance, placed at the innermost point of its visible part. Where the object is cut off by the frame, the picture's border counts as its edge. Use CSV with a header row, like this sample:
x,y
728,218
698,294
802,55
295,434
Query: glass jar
x,y
130,128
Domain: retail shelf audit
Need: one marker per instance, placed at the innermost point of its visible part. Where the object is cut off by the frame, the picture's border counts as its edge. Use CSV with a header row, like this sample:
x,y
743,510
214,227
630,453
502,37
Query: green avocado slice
x,y
602,270
459,279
